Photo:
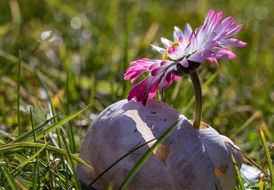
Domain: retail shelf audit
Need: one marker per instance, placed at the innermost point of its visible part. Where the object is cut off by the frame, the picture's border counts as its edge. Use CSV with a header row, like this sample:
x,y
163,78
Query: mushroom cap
x,y
188,160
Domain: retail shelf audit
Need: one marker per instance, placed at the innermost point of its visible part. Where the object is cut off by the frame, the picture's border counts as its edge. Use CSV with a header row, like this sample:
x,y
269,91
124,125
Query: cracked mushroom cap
x,y
187,160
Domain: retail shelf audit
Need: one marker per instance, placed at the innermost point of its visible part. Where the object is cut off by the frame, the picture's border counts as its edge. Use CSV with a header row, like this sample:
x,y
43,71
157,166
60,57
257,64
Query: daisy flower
x,y
182,56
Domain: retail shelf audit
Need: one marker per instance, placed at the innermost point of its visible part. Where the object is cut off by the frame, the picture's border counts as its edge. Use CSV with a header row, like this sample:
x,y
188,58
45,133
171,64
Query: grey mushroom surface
x,y
188,160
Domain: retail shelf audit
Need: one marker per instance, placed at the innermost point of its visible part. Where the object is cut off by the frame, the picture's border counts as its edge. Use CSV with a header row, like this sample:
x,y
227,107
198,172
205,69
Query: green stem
x,y
198,99
18,93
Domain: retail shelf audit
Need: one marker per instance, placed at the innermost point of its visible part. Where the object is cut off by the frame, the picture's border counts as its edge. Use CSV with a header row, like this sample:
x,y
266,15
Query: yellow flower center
x,y
175,43
165,55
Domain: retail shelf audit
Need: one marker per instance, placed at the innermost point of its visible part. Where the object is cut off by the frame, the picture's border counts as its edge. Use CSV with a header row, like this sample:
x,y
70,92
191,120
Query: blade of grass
x,y
125,48
50,108
6,137
15,12
18,94
252,162
14,60
21,145
47,130
56,174
36,184
58,124
29,133
262,184
32,125
8,176
70,130
240,183
140,163
110,187
36,179
92,89
254,116
67,176
30,158
268,156
69,158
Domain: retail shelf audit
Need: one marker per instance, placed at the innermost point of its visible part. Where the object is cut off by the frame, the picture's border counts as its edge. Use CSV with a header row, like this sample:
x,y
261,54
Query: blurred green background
x,y
75,53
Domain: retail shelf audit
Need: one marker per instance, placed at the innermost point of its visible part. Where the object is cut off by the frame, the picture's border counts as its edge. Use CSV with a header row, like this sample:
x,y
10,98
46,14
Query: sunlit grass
x,y
45,89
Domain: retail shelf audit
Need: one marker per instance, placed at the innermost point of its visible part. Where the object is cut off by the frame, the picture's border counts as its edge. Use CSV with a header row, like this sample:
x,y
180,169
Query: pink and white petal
x,y
177,33
226,24
143,90
167,43
212,60
192,46
147,91
233,42
158,49
235,30
224,53
134,76
151,94
209,45
154,66
197,57
209,16
184,63
200,36
176,77
140,66
151,90
217,19
211,21
167,71
187,31
155,71
144,62
183,43
135,90
175,52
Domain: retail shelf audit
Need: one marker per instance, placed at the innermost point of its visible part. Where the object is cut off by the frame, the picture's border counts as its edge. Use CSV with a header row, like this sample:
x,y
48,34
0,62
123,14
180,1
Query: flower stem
x,y
198,99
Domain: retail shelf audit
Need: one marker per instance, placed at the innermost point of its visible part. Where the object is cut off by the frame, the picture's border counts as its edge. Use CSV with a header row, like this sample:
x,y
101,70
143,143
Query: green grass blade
x,y
18,94
13,59
5,137
262,184
70,161
31,158
71,139
240,183
36,179
146,156
126,49
8,177
21,145
30,132
32,124
92,89
268,156
55,126
56,174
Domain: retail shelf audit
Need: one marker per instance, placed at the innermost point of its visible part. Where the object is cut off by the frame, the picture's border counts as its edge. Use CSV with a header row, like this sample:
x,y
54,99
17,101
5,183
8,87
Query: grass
x,y
47,79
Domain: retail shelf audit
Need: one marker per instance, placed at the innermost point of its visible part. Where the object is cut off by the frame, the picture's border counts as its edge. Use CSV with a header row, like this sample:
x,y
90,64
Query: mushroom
x,y
188,159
